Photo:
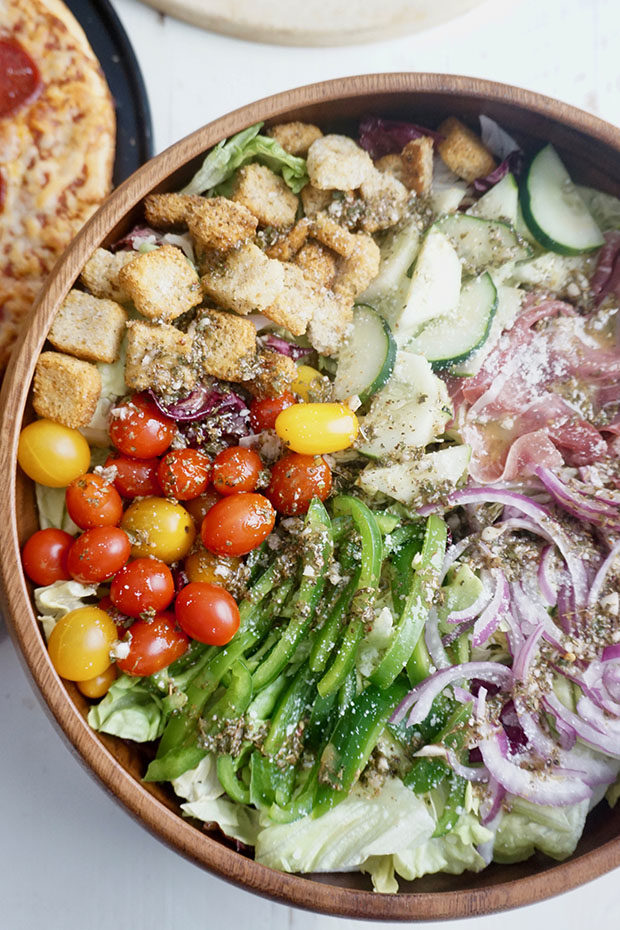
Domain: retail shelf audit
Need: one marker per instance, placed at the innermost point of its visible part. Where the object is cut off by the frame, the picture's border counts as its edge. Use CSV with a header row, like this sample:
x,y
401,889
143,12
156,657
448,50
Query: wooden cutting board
x,y
314,22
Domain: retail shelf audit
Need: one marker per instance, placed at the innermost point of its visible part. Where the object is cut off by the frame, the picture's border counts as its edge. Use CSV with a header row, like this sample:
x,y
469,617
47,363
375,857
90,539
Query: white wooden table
x,y
70,857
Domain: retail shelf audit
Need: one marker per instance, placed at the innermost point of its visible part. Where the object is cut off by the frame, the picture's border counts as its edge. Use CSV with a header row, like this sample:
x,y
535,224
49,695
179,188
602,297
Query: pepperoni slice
x,y
20,80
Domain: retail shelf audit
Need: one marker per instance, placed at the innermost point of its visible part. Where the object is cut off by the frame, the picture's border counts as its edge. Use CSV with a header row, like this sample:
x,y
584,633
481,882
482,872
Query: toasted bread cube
x,y
463,152
295,138
246,280
314,201
333,235
391,164
276,374
100,274
88,327
170,209
385,199
338,163
161,283
289,244
317,263
225,345
220,224
266,195
159,356
359,269
330,323
417,162
294,305
65,389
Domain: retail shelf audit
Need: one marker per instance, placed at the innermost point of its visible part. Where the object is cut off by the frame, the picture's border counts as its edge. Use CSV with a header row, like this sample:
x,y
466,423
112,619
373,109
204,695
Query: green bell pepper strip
x,y
411,623
403,536
454,806
354,738
307,598
427,773
344,660
347,692
227,769
327,636
419,665
235,700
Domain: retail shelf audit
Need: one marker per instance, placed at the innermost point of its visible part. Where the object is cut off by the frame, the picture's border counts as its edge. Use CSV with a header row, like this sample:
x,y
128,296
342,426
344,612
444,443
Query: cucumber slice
x,y
554,209
500,202
413,482
366,360
480,243
451,339
509,303
387,292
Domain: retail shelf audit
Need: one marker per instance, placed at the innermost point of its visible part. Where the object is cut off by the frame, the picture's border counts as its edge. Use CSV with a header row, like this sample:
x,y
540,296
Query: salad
x,y
327,474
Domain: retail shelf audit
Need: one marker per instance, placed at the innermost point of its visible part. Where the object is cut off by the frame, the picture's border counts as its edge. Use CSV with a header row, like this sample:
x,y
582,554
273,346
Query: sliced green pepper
x,y
327,636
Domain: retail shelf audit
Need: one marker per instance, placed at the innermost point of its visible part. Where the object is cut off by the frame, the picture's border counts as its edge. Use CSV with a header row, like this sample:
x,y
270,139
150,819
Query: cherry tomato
x,y
235,470
184,473
45,556
51,454
263,413
237,524
295,480
307,382
153,645
316,429
207,612
135,477
139,429
199,507
92,501
79,645
159,528
145,584
212,569
98,554
99,685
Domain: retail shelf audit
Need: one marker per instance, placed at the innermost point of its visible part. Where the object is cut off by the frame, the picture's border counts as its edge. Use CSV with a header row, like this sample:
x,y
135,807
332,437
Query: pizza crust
x,y
56,154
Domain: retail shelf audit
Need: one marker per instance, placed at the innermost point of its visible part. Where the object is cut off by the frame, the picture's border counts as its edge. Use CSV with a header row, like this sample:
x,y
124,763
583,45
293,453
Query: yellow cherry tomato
x,y
308,379
159,528
79,645
210,568
52,454
315,429
99,685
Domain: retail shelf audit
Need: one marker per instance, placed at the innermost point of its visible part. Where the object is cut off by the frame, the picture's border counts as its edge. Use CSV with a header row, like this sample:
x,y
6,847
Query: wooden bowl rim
x,y
161,821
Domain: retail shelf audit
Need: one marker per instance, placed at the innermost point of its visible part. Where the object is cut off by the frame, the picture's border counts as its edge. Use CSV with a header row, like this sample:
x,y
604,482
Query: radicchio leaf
x,y
387,136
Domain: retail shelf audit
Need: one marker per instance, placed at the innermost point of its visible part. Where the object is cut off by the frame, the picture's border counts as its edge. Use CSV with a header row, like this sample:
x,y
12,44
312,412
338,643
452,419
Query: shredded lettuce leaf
x,y
112,387
129,710
52,509
527,827
454,853
55,600
605,208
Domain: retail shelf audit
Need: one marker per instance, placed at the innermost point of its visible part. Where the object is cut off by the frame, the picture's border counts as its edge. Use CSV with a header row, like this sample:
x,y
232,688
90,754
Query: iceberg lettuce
x,y
454,853
55,600
527,827
130,710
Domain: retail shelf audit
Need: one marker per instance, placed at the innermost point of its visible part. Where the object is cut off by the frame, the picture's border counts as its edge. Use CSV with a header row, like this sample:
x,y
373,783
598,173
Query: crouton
x,y
170,209
65,389
245,281
225,345
88,327
294,305
159,356
161,283
417,162
384,199
100,274
463,152
333,235
337,162
266,195
317,263
295,138
220,224
357,270
289,244
276,375
391,164
313,200
330,323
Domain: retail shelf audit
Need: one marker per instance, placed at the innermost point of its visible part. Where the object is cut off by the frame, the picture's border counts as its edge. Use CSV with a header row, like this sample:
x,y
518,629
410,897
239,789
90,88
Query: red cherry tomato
x,y
264,413
295,480
144,584
235,470
45,556
153,645
207,612
199,507
135,477
237,524
122,621
92,501
184,473
98,554
139,429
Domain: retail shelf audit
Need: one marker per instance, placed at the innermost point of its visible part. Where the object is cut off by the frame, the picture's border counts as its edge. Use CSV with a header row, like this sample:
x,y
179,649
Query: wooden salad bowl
x,y
591,150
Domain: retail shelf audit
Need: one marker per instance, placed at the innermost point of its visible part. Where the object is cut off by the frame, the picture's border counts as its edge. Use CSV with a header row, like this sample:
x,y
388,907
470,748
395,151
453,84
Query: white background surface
x,y
70,857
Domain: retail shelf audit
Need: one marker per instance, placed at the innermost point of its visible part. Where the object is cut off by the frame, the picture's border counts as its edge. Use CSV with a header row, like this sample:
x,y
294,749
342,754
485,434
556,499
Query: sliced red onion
x,y
523,660
597,718
611,652
453,553
607,743
388,136
512,162
284,347
606,277
533,614
137,237
471,612
489,619
601,575
457,632
491,807
469,772
578,504
432,638
545,573
196,405
611,681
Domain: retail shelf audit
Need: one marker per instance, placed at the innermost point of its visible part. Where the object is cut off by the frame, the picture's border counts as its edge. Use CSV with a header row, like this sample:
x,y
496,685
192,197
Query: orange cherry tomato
x,y
99,685
237,524
184,473
295,480
45,556
153,645
92,501
144,584
98,554
236,470
199,507
264,413
207,612
139,429
135,477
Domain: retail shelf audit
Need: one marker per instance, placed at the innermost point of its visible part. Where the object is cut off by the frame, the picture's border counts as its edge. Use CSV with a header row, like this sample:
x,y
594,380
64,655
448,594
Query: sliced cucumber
x,y
413,482
366,360
434,288
448,340
509,303
500,202
480,243
447,190
554,209
387,292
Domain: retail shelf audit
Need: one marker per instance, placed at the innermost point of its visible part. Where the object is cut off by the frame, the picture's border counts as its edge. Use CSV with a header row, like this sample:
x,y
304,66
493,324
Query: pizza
x,y
57,138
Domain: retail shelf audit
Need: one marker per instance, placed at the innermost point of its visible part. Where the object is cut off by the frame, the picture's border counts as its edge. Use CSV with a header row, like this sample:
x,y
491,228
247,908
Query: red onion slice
x,y
603,742
489,619
432,638
601,576
471,612
578,504
545,572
